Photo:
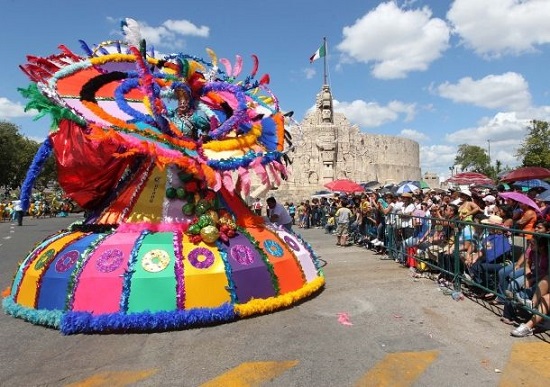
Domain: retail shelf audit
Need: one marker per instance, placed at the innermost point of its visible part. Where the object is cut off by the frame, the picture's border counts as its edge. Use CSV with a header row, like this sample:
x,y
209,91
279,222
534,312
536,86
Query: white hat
x,y
489,199
465,192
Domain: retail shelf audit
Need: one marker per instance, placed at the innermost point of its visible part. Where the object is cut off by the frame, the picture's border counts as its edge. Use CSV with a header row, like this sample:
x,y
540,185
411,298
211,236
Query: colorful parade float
x,y
160,152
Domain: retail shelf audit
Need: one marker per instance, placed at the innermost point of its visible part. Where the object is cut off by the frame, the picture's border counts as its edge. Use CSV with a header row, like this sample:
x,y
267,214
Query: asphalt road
x,y
373,324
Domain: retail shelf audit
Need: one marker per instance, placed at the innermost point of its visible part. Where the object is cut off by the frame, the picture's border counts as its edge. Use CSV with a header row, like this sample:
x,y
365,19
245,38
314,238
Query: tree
x,y
17,153
535,149
473,158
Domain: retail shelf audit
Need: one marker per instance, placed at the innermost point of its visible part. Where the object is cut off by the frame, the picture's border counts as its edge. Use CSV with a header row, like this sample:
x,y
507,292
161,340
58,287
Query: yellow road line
x,y
528,365
398,369
114,378
251,374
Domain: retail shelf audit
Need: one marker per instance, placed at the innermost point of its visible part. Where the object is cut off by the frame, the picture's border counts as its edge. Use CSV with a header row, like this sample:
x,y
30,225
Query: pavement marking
x,y
398,369
114,378
7,237
251,373
527,365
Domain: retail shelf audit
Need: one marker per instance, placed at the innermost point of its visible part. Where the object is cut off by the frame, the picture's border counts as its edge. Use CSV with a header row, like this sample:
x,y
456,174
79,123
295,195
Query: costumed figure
x,y
158,152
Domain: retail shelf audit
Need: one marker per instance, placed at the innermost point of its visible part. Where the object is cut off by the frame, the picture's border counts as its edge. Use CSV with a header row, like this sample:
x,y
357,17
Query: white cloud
x,y
437,159
398,41
309,72
9,109
414,135
371,114
498,27
508,91
170,33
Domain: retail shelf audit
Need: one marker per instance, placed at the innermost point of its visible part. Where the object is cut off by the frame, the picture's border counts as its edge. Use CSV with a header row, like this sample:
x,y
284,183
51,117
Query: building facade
x,y
328,147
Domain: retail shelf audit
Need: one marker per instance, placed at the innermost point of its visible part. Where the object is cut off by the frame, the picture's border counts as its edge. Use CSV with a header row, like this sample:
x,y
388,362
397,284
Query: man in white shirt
x,y
18,209
278,214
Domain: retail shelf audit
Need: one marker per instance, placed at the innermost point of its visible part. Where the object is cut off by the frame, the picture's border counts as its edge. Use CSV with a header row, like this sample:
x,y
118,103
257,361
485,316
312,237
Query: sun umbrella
x,y
533,183
468,178
344,185
520,198
544,196
407,187
527,173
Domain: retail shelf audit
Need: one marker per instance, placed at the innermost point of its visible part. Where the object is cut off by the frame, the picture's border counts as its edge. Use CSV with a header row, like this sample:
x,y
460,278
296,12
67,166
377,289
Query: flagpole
x,y
325,61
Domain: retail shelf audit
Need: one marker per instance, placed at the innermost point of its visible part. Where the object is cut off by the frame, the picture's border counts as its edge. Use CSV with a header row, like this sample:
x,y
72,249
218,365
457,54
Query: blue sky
x,y
443,73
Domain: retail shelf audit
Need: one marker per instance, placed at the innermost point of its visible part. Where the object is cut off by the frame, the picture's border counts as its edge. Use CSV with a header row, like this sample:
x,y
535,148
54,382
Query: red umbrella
x,y
520,198
527,173
467,178
344,185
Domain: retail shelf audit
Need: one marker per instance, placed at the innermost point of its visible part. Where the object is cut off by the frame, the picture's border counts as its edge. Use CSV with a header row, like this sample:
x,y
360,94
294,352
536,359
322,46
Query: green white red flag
x,y
321,52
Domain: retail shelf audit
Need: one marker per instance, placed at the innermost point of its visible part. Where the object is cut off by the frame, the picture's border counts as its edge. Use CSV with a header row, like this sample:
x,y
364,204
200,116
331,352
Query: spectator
x,y
278,214
342,219
257,206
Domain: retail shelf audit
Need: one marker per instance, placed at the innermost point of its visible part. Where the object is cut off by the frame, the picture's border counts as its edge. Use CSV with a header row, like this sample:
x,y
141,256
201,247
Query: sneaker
x,y
522,331
374,241
379,244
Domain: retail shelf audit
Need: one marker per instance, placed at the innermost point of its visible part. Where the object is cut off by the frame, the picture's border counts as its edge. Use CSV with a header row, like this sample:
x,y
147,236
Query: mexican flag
x,y
321,52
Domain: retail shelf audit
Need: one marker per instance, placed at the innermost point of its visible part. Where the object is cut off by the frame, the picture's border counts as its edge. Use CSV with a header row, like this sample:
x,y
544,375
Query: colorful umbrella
x,y
520,198
527,173
468,178
344,185
407,187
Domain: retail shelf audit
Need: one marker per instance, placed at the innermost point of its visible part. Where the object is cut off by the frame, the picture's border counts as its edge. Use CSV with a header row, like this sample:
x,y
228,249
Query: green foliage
x,y
473,158
17,154
535,149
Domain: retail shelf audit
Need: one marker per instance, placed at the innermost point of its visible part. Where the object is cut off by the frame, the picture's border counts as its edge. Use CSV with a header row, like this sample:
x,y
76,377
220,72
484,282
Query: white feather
x,y
131,30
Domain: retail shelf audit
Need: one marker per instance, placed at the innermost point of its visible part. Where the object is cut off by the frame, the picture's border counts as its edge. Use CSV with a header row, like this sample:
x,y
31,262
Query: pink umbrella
x,y
520,198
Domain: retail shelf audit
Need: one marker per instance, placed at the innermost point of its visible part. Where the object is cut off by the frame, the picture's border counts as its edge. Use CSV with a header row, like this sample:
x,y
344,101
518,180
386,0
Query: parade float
x,y
160,152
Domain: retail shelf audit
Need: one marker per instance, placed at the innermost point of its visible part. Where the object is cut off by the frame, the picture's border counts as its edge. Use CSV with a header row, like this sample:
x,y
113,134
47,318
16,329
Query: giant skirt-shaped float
x,y
160,152
149,275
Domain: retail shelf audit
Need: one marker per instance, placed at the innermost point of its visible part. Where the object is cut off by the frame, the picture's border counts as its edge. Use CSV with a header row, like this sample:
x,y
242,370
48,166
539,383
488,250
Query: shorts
x,y
342,229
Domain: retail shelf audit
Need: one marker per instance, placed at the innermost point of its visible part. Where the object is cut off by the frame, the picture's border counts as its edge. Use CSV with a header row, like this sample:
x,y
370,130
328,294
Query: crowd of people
x,y
40,207
497,246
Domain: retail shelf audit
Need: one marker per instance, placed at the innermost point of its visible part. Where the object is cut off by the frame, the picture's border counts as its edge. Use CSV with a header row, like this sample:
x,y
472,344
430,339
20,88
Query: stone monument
x,y
328,147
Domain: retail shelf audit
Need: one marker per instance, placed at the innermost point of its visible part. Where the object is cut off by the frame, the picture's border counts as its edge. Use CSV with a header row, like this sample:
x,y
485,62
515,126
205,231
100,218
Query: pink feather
x,y
227,65
275,174
227,181
214,123
343,318
244,178
255,64
218,184
280,167
238,66
260,171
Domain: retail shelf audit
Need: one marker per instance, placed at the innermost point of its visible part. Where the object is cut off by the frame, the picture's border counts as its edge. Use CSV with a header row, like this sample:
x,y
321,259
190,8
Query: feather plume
x,y
131,31
225,62
264,80
244,178
260,171
218,184
255,64
238,66
227,181
274,173
213,57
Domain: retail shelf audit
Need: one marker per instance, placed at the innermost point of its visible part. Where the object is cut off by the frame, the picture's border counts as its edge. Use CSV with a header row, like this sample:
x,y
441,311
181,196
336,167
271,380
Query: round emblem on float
x,y
201,258
291,243
109,260
273,248
155,261
242,254
66,261
44,259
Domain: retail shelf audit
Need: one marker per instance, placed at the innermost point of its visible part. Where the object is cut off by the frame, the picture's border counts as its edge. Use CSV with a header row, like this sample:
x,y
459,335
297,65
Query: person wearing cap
x,y
490,204
467,208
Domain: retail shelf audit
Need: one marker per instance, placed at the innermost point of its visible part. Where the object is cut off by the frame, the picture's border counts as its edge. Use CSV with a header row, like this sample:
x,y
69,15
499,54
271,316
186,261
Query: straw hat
x,y
495,220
